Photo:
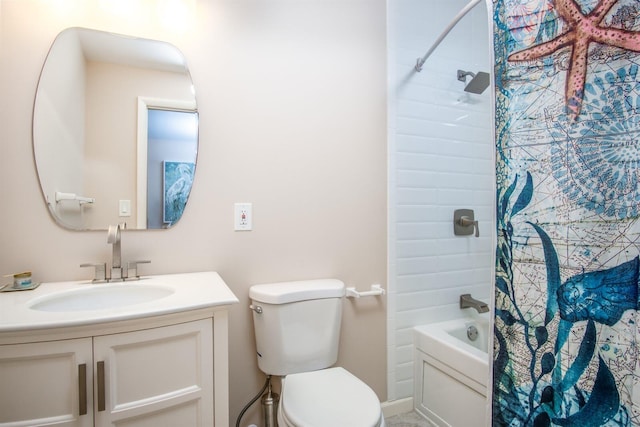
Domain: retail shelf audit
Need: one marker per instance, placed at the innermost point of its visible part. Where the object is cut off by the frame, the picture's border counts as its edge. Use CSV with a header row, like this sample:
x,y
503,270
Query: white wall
x,y
440,159
292,101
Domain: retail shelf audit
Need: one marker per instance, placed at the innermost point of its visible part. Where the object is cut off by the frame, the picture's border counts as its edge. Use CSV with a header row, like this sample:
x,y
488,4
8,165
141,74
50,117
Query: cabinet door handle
x,y
101,400
82,389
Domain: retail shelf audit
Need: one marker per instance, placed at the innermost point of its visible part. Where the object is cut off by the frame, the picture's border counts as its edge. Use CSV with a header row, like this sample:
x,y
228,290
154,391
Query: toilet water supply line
x,y
420,61
252,401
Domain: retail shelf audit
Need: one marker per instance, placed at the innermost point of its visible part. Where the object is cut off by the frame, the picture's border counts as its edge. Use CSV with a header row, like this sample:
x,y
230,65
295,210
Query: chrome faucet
x,y
113,238
467,301
118,272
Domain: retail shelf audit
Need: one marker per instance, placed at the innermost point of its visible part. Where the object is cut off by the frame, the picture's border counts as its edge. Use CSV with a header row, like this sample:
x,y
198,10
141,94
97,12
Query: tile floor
x,y
410,419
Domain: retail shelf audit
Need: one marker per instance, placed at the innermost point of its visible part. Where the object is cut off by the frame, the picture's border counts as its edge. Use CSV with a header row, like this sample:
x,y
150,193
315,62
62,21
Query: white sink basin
x,y
100,297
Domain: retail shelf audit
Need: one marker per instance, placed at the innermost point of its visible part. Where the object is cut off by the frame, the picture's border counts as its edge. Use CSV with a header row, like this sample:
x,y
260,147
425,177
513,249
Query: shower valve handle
x,y
465,221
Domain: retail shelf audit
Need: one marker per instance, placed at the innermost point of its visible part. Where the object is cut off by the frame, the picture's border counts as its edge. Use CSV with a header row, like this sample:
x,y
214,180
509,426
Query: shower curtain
x,y
568,207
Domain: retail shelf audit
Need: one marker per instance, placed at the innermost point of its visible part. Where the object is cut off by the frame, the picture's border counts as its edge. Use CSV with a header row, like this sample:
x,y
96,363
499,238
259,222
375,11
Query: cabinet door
x,y
155,377
46,383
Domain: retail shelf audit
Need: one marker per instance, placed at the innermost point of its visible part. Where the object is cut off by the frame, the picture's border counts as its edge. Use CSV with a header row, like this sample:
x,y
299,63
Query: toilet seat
x,y
328,398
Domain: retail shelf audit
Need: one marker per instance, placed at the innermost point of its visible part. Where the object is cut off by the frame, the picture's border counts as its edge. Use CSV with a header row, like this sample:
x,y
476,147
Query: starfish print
x,y
583,30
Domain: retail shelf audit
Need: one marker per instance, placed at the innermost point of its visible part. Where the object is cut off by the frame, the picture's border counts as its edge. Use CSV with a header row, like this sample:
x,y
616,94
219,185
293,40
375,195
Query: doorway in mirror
x,y
172,141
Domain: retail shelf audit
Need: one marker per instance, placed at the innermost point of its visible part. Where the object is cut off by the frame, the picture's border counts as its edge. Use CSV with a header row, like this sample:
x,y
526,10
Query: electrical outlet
x,y
243,217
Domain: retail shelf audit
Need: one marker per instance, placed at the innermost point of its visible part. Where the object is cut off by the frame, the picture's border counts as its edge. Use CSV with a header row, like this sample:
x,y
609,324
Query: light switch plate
x,y
125,208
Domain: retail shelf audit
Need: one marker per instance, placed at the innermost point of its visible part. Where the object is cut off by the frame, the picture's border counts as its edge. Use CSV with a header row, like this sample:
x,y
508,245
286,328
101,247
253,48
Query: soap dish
x,y
9,287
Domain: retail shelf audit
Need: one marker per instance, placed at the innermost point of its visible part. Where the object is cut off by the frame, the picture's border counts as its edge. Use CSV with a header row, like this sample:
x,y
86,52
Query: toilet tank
x,y
297,325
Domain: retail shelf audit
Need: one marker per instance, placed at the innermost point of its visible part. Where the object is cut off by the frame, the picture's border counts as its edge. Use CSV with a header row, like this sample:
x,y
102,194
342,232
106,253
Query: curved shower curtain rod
x,y
420,62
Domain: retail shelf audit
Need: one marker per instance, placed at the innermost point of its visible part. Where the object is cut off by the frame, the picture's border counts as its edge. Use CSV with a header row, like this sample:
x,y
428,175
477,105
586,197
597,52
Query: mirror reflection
x,y
115,131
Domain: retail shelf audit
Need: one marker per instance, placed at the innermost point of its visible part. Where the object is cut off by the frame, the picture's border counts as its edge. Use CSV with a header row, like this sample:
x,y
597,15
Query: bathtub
x,y
451,371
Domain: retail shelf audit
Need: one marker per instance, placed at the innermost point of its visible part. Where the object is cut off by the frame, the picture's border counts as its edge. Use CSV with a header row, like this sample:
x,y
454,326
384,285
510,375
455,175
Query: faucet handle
x,y
132,269
474,223
465,221
100,274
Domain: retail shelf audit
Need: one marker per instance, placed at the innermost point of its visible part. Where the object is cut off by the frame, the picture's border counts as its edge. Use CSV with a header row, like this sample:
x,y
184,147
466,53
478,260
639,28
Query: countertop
x,y
190,291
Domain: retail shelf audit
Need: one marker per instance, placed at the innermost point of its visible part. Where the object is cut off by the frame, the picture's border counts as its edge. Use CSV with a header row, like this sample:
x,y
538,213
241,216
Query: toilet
x,y
297,331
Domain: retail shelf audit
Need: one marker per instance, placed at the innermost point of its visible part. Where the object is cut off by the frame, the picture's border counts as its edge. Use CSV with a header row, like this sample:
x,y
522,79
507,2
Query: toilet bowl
x,y
297,330
328,397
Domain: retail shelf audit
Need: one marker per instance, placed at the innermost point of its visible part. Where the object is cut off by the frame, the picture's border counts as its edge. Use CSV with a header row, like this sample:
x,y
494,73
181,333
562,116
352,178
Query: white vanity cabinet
x,y
158,376
41,383
155,377
153,353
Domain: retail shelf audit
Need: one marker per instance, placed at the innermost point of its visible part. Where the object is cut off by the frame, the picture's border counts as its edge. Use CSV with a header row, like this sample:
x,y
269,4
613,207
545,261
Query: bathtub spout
x,y
467,301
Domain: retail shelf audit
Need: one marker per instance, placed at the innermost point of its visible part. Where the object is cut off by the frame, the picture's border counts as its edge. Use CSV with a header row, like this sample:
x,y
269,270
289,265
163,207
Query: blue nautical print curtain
x,y
568,206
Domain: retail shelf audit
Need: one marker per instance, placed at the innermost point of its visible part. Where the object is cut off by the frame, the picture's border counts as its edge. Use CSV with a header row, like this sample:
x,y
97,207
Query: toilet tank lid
x,y
286,292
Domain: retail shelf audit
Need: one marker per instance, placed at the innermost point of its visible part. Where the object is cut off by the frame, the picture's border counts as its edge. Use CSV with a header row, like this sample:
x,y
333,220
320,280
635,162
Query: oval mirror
x,y
115,131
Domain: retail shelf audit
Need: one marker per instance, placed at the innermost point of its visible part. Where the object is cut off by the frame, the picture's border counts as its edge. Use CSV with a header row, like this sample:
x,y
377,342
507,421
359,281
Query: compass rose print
x,y
596,160
581,31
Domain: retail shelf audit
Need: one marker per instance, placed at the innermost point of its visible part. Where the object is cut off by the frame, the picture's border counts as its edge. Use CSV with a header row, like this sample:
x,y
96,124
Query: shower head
x,y
478,83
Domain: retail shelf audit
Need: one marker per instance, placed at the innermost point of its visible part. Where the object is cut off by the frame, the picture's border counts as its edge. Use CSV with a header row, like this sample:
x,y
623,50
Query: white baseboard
x,y
396,407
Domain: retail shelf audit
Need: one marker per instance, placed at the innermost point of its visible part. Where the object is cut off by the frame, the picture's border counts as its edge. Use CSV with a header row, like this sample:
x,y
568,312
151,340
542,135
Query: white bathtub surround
x,y
441,158
452,371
